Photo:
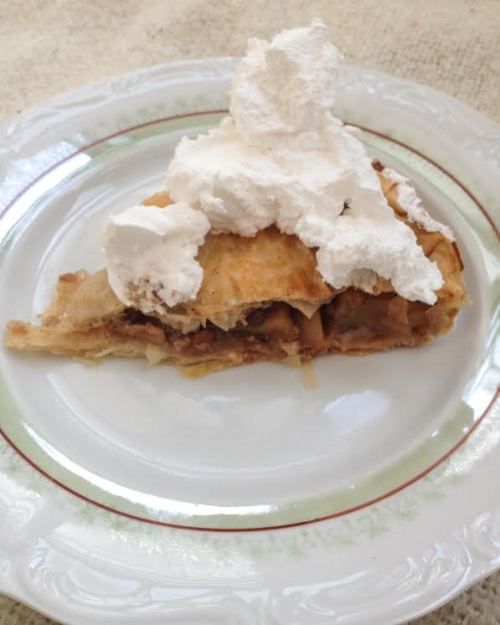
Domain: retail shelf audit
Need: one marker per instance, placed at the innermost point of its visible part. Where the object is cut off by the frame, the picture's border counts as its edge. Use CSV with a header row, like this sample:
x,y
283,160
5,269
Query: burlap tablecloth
x,y
49,46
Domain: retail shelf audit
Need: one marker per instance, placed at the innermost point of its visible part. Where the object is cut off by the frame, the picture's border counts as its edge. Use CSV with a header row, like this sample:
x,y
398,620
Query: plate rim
x,y
182,64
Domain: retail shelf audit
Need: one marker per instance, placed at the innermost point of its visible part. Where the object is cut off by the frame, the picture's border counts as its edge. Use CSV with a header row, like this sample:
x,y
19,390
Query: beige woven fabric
x,y
48,46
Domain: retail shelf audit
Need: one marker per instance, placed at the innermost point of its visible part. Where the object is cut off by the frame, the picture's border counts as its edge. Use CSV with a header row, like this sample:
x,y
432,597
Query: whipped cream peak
x,y
410,202
286,88
151,255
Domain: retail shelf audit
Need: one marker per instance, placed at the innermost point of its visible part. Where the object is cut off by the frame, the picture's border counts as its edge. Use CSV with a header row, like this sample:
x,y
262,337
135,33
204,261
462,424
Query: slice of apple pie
x,y
279,239
238,316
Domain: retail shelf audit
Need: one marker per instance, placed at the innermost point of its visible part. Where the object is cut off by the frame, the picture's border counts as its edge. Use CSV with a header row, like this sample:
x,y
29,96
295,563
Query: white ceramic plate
x,y
129,494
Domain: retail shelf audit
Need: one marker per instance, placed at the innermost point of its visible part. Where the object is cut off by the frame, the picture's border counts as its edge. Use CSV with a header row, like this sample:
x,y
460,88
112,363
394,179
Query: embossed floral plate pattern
x,y
130,495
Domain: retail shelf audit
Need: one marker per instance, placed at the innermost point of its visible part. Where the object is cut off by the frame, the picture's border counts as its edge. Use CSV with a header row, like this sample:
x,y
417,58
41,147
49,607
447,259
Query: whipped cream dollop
x,y
412,205
283,89
280,158
151,255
